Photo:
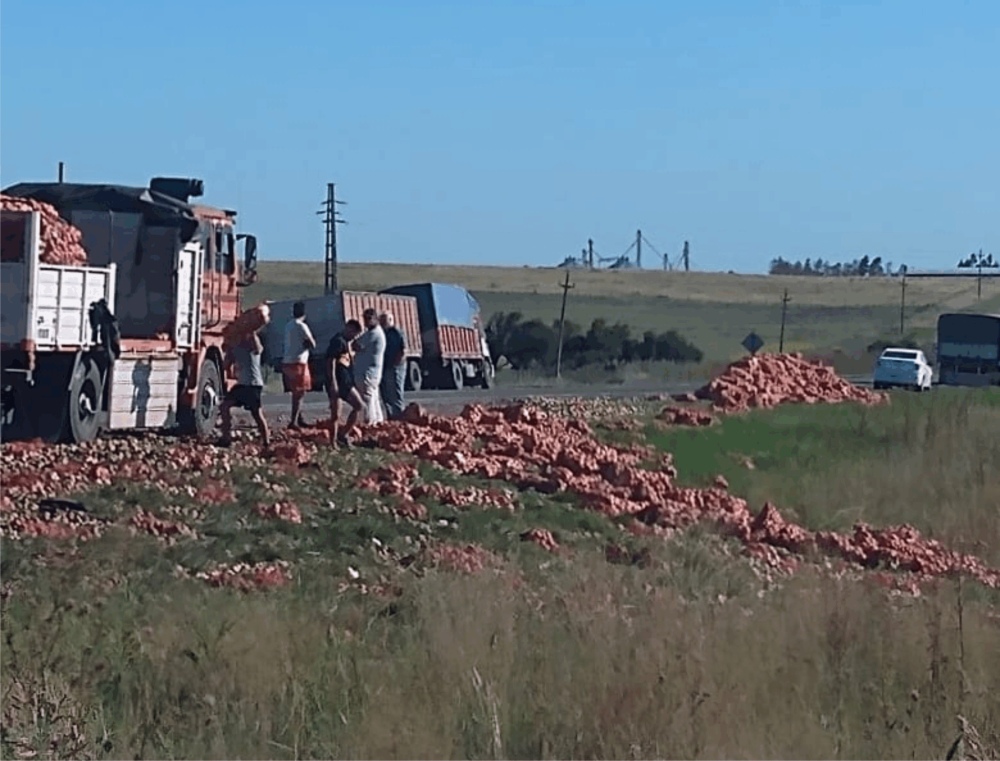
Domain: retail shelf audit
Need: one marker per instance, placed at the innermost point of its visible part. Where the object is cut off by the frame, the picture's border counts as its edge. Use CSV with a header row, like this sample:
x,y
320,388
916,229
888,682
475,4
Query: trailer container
x,y
968,349
455,353
327,315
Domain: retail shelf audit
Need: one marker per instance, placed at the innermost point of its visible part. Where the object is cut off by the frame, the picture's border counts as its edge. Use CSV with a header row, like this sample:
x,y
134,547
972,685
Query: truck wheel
x,y
414,376
200,420
488,374
83,407
455,375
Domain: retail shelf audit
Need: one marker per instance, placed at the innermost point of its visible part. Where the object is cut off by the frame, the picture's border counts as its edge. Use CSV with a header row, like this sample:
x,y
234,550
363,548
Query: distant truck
x,y
455,352
133,339
327,315
968,349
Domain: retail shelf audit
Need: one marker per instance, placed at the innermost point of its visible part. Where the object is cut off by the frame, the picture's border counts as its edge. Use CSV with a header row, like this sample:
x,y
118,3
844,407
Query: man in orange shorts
x,y
297,379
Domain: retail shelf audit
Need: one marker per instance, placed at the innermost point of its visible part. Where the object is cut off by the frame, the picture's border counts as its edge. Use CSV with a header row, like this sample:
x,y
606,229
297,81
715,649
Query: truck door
x,y
187,318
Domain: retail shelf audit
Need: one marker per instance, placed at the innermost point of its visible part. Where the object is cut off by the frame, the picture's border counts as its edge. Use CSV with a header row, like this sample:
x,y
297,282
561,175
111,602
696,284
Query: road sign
x,y
753,343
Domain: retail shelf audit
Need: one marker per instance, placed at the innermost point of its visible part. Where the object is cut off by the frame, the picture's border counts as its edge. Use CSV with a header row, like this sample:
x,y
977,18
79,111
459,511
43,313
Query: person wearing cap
x,y
393,367
368,364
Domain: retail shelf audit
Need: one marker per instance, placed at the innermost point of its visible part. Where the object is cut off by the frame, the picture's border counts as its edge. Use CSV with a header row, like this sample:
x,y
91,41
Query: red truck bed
x,y
403,309
458,343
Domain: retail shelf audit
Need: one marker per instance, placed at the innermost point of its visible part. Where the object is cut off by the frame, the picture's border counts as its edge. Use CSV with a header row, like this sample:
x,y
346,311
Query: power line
x,y
331,218
902,303
784,313
566,288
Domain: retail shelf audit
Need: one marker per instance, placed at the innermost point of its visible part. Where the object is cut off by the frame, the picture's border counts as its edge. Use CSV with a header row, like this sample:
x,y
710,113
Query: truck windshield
x,y
890,354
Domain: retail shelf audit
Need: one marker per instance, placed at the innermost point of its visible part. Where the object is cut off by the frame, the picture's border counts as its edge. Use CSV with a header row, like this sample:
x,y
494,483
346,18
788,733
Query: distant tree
x,y
500,328
532,344
779,266
976,260
524,344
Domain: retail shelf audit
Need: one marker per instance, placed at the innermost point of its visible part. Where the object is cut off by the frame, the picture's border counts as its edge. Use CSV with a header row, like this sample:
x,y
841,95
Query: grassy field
x,y
714,310
110,652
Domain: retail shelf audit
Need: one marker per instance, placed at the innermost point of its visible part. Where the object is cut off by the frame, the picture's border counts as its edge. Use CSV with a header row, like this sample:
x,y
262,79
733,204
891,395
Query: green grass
x,y
687,654
925,459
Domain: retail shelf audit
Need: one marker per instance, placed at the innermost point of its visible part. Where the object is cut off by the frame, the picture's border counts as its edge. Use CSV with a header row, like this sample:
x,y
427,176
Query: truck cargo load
x,y
46,306
968,349
455,350
327,316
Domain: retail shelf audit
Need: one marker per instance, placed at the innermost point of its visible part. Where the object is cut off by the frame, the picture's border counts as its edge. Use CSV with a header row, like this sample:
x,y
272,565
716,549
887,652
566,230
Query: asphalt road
x,y
316,404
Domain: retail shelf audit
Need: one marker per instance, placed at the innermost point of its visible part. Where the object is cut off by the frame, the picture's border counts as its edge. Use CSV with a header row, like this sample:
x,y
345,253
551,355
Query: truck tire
x,y
454,375
200,420
414,376
83,404
487,375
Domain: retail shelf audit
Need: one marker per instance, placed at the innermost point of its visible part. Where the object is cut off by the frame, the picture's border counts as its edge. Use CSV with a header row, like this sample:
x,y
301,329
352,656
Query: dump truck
x,y
327,315
455,352
968,349
133,339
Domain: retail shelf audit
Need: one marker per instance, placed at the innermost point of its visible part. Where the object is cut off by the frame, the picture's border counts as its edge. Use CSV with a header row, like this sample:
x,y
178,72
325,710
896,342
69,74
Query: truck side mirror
x,y
249,259
250,254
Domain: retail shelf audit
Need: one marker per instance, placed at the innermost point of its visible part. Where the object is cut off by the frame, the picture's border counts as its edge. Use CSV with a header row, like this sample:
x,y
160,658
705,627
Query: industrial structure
x,y
591,259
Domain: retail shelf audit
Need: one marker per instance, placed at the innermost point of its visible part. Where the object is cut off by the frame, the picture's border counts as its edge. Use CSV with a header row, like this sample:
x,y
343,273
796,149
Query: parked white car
x,y
907,368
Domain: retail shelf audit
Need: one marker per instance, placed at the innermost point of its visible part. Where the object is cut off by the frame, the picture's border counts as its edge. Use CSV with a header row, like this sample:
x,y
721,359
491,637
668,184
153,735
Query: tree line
x,y
863,267
534,344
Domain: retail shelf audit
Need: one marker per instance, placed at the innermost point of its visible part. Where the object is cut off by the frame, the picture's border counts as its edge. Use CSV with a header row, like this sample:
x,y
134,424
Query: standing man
x,y
246,393
368,358
299,342
394,367
340,384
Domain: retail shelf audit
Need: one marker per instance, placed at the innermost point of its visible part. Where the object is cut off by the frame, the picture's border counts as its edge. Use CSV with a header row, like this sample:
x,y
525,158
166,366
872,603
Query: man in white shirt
x,y
299,342
368,363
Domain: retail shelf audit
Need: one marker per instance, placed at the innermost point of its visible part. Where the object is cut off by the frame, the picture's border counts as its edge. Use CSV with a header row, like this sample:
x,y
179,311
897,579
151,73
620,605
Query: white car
x,y
907,368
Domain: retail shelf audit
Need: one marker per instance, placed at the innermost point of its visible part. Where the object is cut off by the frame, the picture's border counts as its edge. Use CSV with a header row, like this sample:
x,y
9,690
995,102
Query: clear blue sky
x,y
510,132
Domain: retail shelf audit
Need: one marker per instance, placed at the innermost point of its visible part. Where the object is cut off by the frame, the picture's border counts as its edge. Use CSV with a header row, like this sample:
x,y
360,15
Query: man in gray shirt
x,y
247,391
368,363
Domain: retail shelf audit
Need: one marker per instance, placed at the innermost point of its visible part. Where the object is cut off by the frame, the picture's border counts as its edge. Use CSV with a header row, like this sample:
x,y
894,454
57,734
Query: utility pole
x,y
687,257
566,288
902,304
638,249
784,312
590,252
62,166
979,277
331,219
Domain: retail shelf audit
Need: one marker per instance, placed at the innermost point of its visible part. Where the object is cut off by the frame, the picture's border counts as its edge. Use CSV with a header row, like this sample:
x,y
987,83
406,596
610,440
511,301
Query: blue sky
x,y
489,132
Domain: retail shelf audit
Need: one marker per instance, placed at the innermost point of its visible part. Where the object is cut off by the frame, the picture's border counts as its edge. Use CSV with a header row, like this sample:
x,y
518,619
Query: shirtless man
x,y
340,384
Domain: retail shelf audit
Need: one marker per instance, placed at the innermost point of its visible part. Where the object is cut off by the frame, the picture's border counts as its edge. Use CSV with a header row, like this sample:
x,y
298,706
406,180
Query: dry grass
x,y
714,310
592,665
107,655
712,287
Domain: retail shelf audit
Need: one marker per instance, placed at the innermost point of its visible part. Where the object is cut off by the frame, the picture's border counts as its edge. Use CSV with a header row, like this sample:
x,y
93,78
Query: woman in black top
x,y
340,384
